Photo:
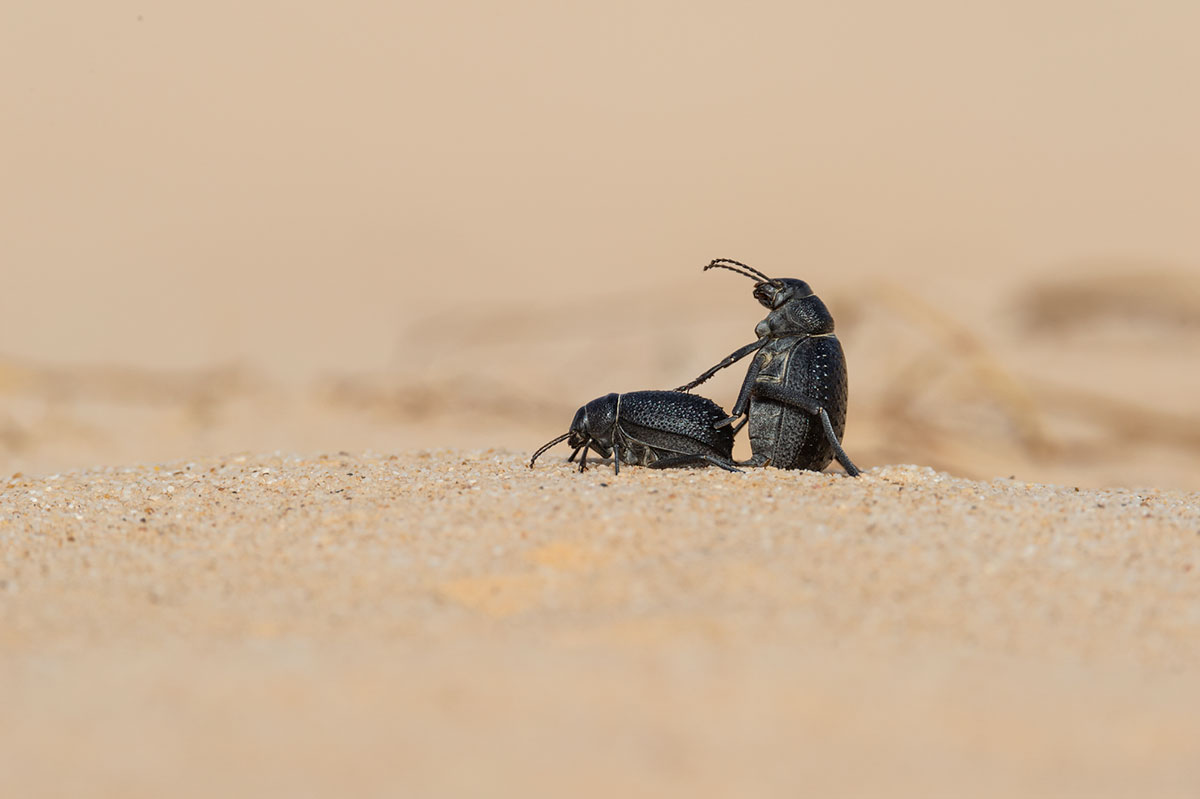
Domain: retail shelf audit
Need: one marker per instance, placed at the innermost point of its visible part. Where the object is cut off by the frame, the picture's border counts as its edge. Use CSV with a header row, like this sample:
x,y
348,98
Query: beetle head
x,y
577,436
780,291
591,428
771,292
593,424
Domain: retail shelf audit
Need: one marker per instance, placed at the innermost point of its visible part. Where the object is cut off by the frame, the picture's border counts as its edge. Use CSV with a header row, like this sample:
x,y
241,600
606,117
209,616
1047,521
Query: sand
x,y
452,622
238,243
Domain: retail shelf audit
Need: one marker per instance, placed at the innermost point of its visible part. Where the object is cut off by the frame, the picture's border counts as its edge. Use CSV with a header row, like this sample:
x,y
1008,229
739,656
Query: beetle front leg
x,y
729,360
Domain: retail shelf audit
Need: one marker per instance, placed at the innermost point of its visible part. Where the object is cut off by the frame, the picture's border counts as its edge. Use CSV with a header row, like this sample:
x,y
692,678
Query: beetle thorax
x,y
803,316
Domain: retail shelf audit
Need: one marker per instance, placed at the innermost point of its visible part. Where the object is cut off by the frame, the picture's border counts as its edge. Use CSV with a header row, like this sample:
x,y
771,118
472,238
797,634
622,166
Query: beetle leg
x,y
790,396
618,438
838,452
574,454
757,460
787,396
729,360
683,460
583,459
742,406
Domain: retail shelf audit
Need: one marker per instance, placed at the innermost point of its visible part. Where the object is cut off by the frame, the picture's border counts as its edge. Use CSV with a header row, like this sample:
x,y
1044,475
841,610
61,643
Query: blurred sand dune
x,y
230,228
486,217
928,386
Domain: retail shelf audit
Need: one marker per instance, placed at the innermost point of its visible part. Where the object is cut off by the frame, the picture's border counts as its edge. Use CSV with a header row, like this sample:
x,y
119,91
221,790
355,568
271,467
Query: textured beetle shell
x,y
791,438
658,424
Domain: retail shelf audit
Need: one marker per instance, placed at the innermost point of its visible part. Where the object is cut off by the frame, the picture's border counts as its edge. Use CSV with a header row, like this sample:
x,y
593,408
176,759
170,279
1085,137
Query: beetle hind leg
x,y
794,398
691,460
838,452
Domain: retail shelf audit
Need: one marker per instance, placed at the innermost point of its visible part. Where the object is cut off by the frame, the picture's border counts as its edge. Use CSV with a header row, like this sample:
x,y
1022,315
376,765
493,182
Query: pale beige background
x,y
297,226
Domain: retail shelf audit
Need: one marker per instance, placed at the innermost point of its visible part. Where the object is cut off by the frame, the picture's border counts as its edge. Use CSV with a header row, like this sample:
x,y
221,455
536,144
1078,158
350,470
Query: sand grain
x,y
450,621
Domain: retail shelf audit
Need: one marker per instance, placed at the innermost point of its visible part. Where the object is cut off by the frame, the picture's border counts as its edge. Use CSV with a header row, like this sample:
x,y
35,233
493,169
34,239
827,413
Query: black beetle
x,y
658,429
794,394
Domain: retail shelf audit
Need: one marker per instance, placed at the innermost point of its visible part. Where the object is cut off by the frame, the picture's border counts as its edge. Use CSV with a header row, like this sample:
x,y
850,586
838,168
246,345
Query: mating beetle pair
x,y
793,397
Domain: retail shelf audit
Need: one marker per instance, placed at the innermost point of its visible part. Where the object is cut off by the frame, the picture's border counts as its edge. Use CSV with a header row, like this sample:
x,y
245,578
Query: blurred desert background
x,y
306,226
290,291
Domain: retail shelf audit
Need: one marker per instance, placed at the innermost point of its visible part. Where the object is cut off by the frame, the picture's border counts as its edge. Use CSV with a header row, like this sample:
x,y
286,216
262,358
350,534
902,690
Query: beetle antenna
x,y
731,269
547,446
729,263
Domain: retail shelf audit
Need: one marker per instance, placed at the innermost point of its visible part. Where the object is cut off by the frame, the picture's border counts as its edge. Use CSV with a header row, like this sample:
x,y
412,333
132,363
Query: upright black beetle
x,y
794,394
658,429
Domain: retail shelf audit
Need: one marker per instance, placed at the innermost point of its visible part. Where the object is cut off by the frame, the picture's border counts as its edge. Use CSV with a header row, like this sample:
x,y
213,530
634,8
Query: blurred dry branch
x,y
929,388
939,402
1125,424
1152,297
955,340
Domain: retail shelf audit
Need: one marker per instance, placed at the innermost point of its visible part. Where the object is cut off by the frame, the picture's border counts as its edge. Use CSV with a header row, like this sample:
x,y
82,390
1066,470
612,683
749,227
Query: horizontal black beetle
x,y
658,429
794,394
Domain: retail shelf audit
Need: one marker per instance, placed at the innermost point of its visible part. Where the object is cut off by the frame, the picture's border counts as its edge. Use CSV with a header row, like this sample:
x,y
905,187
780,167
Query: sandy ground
x,y
432,231
369,226
453,622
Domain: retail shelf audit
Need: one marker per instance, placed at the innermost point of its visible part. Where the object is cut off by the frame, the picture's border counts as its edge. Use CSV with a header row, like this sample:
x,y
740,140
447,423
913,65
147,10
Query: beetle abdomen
x,y
675,422
791,437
